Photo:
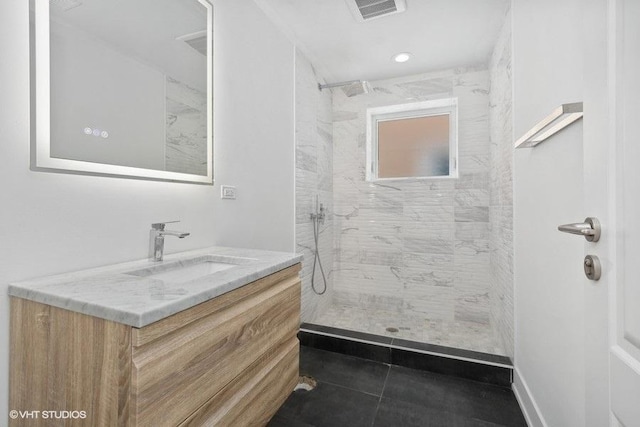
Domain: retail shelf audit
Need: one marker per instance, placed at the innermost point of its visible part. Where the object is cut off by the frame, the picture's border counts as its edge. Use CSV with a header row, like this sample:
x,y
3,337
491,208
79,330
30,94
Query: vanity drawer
x,y
256,394
176,373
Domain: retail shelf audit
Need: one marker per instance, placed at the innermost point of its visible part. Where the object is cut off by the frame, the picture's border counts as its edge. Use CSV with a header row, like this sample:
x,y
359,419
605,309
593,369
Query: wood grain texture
x,y
256,394
233,359
142,336
67,361
184,369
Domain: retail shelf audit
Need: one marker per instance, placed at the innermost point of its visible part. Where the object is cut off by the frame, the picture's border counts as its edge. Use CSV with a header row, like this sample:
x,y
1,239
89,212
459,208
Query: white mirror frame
x,y
41,159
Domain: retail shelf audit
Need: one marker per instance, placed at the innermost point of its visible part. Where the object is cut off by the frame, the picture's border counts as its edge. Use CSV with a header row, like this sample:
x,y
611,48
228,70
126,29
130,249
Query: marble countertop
x,y
123,294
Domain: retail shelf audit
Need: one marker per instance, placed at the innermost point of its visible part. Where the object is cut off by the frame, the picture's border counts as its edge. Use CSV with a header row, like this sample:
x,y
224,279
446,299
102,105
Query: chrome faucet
x,y
156,239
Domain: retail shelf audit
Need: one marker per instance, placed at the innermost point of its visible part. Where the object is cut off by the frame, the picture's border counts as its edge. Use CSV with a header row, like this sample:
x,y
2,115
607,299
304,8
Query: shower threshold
x,y
473,365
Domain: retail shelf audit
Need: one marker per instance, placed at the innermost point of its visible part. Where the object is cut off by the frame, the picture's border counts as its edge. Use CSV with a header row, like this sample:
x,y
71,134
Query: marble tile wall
x,y
416,248
186,128
314,177
501,189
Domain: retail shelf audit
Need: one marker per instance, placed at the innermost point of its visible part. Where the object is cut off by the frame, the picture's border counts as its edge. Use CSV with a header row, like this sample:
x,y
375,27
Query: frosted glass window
x,y
413,147
412,141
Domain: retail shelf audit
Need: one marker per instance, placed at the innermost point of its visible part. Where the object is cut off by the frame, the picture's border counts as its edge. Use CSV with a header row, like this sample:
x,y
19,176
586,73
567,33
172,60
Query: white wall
x,y
549,312
254,128
52,223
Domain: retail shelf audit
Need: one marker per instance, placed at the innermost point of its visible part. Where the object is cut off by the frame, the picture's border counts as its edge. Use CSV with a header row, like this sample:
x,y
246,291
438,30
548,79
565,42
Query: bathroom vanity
x,y
206,337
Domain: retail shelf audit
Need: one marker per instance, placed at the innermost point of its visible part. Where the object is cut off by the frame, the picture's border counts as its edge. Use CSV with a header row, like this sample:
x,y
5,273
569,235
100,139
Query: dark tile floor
x,y
355,392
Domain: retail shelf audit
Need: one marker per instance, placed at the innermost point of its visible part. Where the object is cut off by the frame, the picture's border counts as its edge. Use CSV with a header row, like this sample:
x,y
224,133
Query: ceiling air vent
x,y
365,10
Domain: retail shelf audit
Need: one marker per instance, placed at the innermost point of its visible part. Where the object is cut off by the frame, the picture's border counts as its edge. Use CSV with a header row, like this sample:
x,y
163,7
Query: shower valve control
x,y
592,267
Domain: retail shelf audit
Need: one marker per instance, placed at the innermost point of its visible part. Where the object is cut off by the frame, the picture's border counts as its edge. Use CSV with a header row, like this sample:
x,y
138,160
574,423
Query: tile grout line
x,y
375,414
348,388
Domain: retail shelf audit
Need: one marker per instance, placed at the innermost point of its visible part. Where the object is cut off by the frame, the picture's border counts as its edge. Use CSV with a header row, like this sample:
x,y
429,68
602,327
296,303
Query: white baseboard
x,y
528,405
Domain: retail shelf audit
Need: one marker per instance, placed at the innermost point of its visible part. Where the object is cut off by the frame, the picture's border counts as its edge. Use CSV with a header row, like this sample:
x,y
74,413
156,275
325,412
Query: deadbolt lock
x,y
592,267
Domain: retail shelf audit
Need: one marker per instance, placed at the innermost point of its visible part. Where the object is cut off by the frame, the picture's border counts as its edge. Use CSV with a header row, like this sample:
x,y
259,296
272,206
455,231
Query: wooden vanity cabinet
x,y
230,361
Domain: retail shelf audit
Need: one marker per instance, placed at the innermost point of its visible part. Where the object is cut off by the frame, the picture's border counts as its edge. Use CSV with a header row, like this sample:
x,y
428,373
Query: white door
x,y
625,136
612,193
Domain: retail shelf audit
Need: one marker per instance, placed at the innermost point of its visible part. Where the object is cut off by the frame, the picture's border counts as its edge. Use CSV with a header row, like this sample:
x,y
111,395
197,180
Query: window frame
x,y
436,107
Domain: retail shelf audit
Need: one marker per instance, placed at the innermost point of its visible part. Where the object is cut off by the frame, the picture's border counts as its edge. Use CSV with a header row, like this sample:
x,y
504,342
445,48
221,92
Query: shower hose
x,y
316,259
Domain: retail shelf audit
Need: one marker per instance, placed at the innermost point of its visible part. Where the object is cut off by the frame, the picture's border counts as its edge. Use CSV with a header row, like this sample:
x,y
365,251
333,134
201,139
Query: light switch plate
x,y
227,192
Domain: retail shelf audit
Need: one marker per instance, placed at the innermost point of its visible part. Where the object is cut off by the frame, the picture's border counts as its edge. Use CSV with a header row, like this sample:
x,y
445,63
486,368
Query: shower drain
x,y
392,329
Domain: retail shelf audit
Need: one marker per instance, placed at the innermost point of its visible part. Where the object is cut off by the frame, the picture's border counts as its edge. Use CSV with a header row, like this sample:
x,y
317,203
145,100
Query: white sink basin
x,y
187,270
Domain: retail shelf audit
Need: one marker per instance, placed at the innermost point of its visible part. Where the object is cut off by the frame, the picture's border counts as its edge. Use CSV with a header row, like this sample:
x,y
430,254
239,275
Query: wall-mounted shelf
x,y
559,119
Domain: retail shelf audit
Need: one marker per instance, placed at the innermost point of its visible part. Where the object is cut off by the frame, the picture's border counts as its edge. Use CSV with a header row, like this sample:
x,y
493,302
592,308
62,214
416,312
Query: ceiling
x,y
439,34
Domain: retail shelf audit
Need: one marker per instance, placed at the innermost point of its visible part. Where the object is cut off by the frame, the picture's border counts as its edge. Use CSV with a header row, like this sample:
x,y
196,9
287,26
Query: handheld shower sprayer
x,y
318,218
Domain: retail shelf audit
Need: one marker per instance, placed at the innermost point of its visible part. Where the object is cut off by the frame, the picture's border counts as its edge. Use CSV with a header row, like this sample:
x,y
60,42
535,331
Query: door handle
x,y
590,229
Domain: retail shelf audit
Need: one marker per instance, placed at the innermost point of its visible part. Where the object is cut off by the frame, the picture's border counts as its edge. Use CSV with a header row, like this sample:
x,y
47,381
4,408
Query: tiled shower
x,y
426,260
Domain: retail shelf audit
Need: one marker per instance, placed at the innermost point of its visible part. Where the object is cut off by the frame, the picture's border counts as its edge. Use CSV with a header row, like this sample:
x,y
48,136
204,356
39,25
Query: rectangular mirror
x,y
123,87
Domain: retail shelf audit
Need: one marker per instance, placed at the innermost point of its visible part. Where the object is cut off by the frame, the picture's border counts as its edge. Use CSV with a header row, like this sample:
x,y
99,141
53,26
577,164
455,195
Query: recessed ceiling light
x,y
402,57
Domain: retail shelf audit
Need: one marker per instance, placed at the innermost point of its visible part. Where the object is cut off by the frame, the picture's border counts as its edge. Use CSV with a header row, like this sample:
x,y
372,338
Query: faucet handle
x,y
160,225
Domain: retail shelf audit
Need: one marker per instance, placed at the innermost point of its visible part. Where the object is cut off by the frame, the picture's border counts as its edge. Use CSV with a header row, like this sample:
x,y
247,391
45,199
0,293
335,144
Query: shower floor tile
x,y
457,334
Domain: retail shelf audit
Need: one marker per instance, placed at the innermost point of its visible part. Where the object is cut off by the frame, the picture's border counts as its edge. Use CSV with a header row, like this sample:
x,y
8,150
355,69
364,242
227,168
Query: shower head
x,y
350,88
358,88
